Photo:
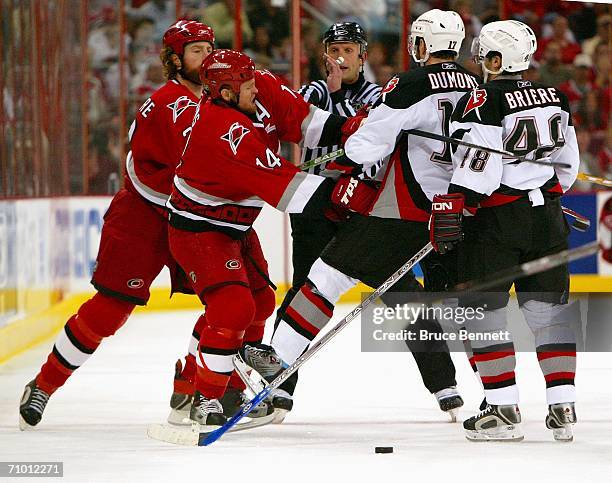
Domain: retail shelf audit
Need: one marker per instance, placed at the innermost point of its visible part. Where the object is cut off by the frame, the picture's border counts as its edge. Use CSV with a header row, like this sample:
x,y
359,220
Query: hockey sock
x,y
192,353
495,362
229,311
265,301
99,317
555,339
307,314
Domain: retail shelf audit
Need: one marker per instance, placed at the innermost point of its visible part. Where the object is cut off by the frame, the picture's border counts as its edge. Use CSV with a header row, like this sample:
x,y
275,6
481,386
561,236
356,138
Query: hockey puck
x,y
383,449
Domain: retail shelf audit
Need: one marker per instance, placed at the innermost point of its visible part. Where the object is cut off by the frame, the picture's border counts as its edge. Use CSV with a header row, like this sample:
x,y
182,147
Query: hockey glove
x,y
353,194
351,125
344,166
445,222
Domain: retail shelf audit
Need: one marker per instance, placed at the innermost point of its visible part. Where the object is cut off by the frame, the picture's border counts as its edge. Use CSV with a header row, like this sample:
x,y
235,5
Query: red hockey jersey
x,y
157,138
231,165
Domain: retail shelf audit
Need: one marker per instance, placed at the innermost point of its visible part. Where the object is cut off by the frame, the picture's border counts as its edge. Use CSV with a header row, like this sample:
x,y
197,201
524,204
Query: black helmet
x,y
346,32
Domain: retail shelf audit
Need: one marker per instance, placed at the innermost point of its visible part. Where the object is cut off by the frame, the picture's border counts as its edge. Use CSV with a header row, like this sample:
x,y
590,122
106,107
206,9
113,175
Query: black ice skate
x,y
32,406
450,401
233,400
182,396
208,413
561,417
264,360
495,423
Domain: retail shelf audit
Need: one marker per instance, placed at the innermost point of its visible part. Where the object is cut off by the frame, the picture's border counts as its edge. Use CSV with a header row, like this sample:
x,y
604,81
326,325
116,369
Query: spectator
x,y
576,87
552,70
588,162
220,16
103,42
162,11
275,19
472,26
531,74
603,35
562,36
590,116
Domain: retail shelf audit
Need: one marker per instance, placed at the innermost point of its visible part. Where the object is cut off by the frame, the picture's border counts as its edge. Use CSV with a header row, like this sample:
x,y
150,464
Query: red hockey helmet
x,y
226,68
184,32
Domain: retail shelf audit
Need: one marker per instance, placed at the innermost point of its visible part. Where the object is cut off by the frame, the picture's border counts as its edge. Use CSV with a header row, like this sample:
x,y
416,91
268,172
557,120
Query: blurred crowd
x,y
573,54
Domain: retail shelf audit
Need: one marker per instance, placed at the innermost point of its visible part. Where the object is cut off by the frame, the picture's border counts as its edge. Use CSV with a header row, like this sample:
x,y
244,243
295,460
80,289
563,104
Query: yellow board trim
x,y
21,335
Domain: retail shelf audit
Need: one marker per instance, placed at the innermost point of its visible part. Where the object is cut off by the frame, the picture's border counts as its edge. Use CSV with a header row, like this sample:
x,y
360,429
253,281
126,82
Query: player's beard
x,y
192,75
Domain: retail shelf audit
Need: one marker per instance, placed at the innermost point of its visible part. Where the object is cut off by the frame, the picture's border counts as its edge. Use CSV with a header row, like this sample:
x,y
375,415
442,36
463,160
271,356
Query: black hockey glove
x,y
445,229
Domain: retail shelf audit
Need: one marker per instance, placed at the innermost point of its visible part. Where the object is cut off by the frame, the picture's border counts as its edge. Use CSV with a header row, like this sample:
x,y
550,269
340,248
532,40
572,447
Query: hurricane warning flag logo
x,y
181,105
477,98
234,136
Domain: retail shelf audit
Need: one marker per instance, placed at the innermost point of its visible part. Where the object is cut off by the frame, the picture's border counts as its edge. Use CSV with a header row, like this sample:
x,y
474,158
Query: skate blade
x,y
453,414
24,426
279,416
564,434
508,434
179,418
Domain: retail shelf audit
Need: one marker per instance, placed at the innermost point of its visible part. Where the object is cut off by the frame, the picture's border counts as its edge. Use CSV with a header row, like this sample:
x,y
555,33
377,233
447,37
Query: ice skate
x,y
495,423
450,401
208,413
561,417
32,406
264,360
234,399
182,396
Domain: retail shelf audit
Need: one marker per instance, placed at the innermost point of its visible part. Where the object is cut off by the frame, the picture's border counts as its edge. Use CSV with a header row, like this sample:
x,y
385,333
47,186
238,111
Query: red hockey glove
x,y
345,166
353,194
445,222
351,125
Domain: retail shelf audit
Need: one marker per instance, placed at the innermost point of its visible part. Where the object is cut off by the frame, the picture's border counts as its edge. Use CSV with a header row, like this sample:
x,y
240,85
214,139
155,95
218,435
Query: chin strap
x,y
486,72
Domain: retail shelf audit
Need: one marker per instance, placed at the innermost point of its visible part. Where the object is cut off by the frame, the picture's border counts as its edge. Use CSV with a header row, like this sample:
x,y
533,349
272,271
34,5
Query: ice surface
x,y
347,403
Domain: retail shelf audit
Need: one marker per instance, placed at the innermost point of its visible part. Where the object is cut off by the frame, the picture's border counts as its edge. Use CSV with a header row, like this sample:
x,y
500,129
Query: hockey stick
x,y
529,268
320,160
209,438
459,142
580,223
595,179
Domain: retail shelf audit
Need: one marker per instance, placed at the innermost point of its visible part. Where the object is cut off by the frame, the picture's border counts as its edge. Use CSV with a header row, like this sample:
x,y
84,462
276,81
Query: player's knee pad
x,y
328,281
553,323
265,303
104,315
230,307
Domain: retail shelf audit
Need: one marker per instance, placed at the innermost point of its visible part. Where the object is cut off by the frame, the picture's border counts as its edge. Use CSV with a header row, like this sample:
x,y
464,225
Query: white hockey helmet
x,y
441,30
514,40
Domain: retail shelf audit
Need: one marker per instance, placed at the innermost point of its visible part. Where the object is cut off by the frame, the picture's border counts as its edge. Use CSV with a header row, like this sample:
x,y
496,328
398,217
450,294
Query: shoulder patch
x,y
235,135
179,106
476,100
389,86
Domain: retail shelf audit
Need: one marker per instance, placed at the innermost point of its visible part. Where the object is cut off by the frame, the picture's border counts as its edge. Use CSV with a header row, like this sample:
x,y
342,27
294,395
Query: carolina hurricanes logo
x,y
392,84
234,136
181,105
135,283
233,264
477,98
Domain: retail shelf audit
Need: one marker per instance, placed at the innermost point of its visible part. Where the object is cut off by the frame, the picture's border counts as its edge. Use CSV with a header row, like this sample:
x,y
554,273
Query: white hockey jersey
x,y
418,168
524,118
